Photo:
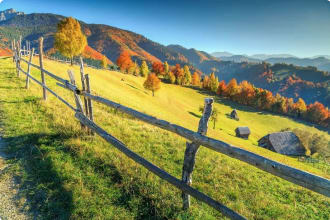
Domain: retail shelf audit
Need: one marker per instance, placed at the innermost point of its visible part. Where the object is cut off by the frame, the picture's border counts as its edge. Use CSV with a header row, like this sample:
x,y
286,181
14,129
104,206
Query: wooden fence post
x,y
29,70
89,101
18,57
41,60
76,97
191,150
14,50
83,84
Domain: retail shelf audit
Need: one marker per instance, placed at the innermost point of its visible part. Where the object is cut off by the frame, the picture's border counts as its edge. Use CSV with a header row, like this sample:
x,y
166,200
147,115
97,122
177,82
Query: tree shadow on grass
x,y
39,183
43,185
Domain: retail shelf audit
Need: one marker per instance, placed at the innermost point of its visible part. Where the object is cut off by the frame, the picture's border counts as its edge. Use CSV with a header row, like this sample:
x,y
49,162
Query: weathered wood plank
x,y
310,181
64,81
156,170
191,151
41,63
51,91
27,84
19,56
89,101
83,84
90,105
76,97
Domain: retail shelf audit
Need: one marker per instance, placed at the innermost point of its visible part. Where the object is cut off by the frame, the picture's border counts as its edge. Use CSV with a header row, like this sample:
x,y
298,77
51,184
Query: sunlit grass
x,y
79,176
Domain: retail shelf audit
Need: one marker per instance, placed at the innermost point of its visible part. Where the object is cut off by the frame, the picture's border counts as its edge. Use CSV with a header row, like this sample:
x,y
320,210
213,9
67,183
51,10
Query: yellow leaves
x,y
69,39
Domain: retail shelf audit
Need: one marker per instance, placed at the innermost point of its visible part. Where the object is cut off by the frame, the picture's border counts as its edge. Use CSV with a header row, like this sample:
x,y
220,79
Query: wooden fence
x,y
84,114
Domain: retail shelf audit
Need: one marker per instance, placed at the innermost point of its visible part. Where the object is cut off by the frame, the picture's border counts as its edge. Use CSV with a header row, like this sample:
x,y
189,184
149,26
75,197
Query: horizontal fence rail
x,y
48,89
299,177
156,170
84,114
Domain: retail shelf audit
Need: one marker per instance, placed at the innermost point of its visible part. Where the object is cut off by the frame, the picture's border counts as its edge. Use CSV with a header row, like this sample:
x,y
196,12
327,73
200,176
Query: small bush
x,y
316,145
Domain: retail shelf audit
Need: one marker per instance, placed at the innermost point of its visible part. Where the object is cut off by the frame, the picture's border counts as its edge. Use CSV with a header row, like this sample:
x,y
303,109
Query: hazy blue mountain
x,y
222,54
268,56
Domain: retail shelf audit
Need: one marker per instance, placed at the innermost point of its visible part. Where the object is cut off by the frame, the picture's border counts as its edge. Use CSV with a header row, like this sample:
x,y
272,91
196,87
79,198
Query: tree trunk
x,y
71,61
213,124
153,93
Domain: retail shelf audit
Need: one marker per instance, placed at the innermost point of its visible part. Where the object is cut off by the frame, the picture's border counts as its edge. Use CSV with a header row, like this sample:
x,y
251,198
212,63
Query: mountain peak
x,y
8,14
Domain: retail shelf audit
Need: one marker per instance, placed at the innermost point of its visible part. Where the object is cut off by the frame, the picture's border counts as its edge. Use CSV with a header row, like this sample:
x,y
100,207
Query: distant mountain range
x,y
289,80
322,62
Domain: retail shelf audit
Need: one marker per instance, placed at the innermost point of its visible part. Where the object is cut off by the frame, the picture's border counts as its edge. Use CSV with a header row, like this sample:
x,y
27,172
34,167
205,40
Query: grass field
x,y
64,173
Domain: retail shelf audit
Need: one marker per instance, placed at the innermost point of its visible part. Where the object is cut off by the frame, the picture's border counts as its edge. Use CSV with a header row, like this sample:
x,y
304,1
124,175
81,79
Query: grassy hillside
x,y
65,173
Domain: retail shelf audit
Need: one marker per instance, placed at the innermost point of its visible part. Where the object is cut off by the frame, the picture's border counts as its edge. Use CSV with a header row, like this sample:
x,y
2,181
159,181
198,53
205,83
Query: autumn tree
x,y
134,69
104,62
69,39
221,88
152,83
214,82
206,82
232,89
124,61
299,108
158,68
178,73
279,105
171,77
247,93
316,112
196,81
166,68
187,75
144,69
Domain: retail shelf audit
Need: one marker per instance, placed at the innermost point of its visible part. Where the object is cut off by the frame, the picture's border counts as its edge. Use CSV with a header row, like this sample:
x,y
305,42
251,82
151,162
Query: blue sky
x,y
298,27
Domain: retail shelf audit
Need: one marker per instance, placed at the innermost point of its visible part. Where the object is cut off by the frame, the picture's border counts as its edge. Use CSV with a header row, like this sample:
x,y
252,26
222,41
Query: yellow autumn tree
x,y
69,39
104,62
152,83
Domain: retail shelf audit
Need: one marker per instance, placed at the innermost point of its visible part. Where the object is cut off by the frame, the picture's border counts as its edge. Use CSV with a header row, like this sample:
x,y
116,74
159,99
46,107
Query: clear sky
x,y
298,27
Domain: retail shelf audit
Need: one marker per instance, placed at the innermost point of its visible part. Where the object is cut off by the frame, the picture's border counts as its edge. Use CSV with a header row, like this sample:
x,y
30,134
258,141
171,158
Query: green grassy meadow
x,y
65,173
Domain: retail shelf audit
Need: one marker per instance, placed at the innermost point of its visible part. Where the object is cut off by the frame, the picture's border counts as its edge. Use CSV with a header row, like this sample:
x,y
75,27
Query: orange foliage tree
x,y
196,81
221,88
178,73
206,82
247,93
316,112
152,83
124,61
158,68
232,89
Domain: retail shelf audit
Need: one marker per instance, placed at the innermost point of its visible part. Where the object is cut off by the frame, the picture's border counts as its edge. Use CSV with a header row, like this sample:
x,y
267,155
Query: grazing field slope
x,y
65,173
